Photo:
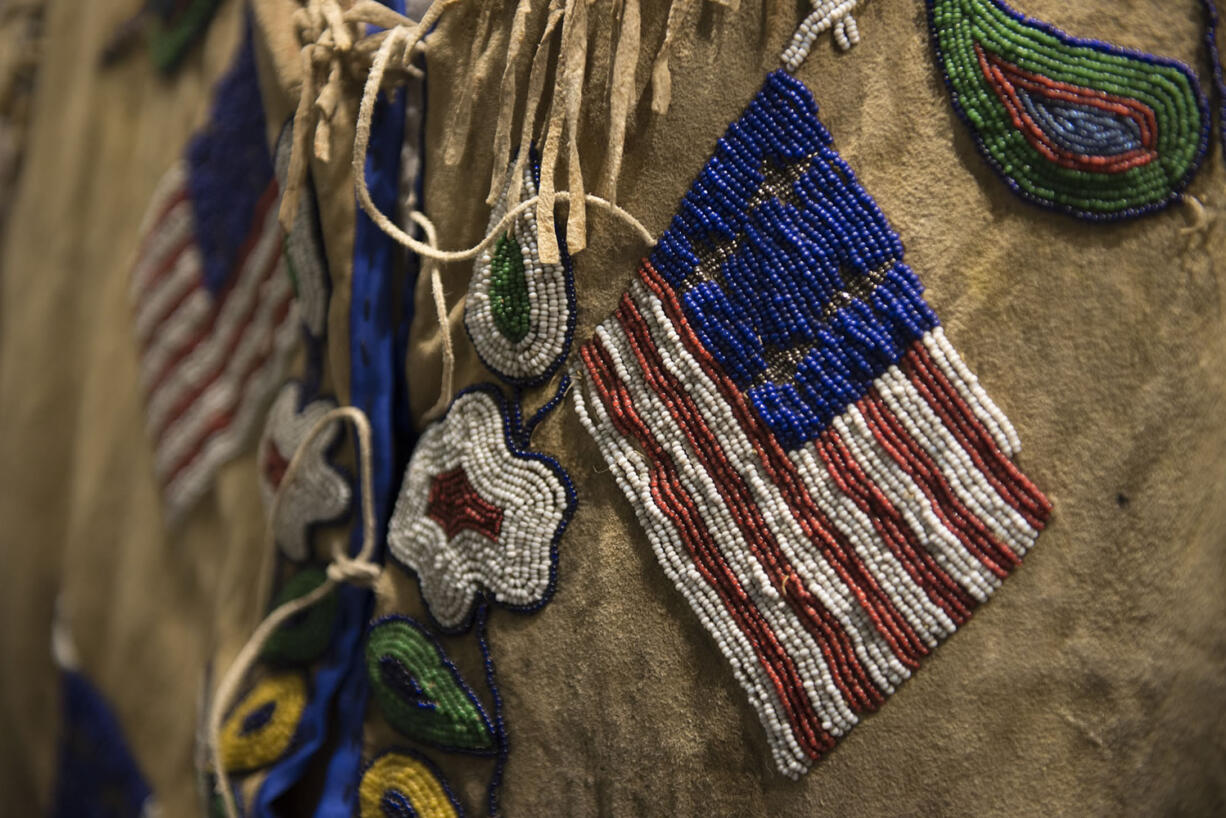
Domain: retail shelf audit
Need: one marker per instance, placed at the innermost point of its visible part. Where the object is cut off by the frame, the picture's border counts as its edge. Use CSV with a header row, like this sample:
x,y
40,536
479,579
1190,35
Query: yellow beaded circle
x,y
396,781
261,728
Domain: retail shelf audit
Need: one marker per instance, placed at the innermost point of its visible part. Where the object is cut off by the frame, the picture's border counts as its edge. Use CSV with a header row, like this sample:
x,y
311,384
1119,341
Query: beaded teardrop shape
x,y
421,692
1075,125
520,312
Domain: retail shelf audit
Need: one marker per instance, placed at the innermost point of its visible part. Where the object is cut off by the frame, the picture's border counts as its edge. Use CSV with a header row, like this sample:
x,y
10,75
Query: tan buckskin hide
x,y
1093,683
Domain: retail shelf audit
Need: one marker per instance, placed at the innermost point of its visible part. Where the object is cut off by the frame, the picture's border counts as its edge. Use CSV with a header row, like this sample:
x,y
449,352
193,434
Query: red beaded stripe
x,y
672,499
266,202
222,419
832,544
835,643
1005,77
892,528
949,508
186,400
1014,487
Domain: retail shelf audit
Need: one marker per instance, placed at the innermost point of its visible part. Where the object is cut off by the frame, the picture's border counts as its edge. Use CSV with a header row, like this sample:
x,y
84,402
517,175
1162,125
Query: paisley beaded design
x,y
261,728
480,513
1080,126
305,636
520,312
420,691
405,784
319,492
817,470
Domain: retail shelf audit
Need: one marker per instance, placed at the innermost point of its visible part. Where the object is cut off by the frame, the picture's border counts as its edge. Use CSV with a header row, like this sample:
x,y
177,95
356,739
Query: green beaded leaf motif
x,y
304,637
508,291
520,312
420,691
1080,126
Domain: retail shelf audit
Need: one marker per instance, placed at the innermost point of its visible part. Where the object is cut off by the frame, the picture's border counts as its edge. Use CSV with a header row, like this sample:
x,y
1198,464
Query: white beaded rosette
x,y
478,514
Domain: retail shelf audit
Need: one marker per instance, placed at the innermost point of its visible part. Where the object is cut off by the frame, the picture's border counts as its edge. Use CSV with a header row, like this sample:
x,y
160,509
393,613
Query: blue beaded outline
x,y
500,724
417,756
572,310
513,434
455,673
1177,189
1215,59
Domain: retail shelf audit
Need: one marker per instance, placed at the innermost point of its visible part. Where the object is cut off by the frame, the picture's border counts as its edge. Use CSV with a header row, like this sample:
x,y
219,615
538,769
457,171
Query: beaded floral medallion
x,y
1080,126
520,312
319,493
212,302
479,513
817,470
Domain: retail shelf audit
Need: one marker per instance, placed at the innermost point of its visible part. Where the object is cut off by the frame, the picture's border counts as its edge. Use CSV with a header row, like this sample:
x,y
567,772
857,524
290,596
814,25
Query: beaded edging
x,y
520,312
479,514
817,470
1079,126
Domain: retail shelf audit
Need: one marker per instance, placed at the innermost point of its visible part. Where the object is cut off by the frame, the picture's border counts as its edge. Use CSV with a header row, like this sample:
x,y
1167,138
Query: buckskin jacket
x,y
671,389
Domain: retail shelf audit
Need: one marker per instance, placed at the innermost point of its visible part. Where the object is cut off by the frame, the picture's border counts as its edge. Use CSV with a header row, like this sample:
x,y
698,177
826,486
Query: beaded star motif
x,y
319,492
478,512
817,470
1080,126
520,312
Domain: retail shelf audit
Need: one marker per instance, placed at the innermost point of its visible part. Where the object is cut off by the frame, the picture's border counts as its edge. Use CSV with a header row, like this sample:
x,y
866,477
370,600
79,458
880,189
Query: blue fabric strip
x,y
376,371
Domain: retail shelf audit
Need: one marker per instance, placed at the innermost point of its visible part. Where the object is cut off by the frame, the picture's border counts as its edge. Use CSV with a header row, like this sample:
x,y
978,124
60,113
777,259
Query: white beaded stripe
x,y
968,386
836,717
260,338
170,236
632,475
925,618
178,280
970,485
904,494
197,477
810,564
188,320
173,183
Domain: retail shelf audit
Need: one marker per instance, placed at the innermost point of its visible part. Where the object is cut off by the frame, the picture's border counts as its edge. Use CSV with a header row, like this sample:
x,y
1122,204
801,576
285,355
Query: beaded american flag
x,y
817,470
212,300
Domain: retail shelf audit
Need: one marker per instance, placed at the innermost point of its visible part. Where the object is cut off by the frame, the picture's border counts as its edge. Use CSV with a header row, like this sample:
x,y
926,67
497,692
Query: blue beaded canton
x,y
790,274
